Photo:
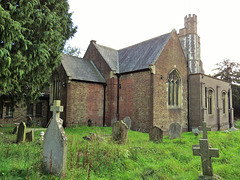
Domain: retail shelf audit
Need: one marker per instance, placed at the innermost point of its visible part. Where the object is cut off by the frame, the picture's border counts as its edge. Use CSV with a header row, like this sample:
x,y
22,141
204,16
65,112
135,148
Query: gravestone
x,y
156,134
29,121
30,136
127,121
120,132
55,144
175,131
204,128
15,130
21,136
113,121
89,123
206,153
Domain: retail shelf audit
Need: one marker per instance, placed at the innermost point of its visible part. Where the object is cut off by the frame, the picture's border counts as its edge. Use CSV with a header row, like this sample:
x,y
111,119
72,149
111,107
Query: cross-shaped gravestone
x,y
204,128
56,109
55,144
206,153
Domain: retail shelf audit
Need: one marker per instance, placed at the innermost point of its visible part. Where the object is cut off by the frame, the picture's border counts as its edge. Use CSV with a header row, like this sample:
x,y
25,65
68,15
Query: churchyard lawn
x,y
103,159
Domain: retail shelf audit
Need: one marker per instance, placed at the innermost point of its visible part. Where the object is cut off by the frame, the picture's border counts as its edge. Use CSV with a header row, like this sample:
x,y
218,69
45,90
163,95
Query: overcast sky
x,y
122,23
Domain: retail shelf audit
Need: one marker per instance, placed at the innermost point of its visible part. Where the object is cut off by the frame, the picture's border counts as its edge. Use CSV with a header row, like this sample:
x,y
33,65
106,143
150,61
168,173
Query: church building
x,y
155,82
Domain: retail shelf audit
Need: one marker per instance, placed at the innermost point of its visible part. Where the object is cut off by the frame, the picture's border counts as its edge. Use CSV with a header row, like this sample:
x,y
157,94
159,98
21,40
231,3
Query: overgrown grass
x,y
138,159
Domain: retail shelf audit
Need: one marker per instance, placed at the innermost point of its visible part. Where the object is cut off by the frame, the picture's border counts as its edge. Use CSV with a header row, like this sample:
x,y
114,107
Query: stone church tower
x,y
190,42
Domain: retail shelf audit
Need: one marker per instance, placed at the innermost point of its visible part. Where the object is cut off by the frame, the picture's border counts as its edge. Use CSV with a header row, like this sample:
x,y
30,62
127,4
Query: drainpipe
x,y
188,93
118,87
104,103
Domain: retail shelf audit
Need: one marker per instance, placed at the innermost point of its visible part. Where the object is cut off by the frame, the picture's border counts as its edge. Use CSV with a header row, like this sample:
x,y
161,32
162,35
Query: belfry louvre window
x,y
174,86
210,101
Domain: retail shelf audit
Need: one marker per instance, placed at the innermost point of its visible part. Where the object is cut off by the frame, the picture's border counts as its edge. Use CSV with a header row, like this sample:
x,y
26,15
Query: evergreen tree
x,y
32,36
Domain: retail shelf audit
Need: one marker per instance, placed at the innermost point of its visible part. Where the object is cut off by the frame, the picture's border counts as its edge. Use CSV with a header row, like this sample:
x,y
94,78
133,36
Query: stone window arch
x,y
210,101
174,89
224,98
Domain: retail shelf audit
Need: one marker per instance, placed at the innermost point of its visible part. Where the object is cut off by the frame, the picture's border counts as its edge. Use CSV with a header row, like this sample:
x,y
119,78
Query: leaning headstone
x,y
127,121
30,136
206,153
156,134
113,121
55,144
120,132
175,131
15,130
21,136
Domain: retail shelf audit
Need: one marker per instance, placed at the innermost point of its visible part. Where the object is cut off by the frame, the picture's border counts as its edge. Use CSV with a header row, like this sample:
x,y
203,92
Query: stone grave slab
x,y
21,136
127,121
113,121
120,132
30,136
156,134
175,131
55,144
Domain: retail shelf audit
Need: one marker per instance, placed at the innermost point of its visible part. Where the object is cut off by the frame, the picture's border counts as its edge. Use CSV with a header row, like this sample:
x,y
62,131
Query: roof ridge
x,y
145,41
105,47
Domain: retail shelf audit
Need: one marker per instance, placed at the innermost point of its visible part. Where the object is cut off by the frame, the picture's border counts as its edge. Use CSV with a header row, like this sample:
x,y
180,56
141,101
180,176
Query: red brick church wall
x,y
84,102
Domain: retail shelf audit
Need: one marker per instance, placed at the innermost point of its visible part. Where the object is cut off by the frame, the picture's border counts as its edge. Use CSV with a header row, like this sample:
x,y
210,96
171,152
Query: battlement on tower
x,y
190,18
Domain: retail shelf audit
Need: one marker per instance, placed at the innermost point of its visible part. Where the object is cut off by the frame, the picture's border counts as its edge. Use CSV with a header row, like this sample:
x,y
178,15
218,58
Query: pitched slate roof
x,y
140,56
81,69
110,55
136,57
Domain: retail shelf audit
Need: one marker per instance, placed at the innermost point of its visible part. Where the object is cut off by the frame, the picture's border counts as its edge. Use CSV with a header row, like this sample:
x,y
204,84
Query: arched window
x,y
174,93
210,101
224,94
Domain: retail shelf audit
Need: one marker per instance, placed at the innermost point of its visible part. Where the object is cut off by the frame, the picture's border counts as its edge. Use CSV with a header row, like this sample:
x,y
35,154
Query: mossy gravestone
x,y
156,134
21,136
120,132
55,144
127,121
175,131
30,136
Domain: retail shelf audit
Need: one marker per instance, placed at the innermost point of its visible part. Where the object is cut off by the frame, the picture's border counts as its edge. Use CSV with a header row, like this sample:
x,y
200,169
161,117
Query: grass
x,y
138,159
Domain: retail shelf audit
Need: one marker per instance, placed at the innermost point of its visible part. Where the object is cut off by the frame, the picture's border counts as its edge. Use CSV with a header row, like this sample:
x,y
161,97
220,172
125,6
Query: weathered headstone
x,y
21,136
120,132
29,122
30,136
204,128
15,130
89,123
113,121
175,131
206,153
127,121
156,134
55,144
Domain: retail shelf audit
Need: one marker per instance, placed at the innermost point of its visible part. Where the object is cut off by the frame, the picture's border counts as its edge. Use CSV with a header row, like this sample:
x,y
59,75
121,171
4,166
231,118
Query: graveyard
x,y
98,157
